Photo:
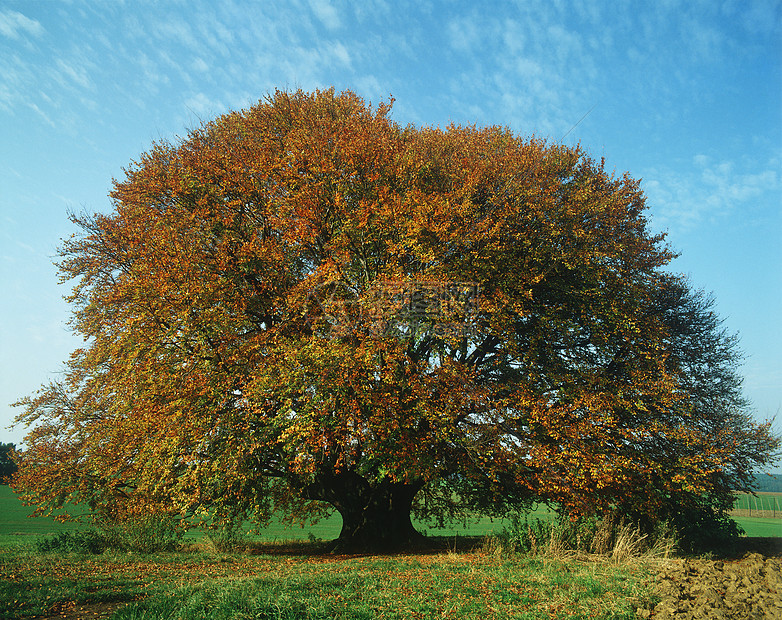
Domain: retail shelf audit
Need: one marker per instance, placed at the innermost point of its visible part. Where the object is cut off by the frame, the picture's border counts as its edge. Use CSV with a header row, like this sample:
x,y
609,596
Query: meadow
x,y
15,522
281,573
759,505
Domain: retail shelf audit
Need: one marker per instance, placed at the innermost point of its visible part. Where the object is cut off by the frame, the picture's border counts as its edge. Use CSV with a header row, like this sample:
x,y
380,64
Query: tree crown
x,y
304,297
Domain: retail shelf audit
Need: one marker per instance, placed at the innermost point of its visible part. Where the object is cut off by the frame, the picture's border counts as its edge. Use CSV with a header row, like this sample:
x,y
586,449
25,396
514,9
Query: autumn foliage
x,y
304,304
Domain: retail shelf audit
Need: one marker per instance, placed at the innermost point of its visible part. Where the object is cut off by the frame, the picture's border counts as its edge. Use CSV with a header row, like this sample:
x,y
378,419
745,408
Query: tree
x,y
7,465
303,305
715,431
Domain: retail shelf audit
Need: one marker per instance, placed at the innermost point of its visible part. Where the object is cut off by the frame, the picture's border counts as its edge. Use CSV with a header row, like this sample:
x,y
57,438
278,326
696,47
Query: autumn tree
x,y
715,432
304,305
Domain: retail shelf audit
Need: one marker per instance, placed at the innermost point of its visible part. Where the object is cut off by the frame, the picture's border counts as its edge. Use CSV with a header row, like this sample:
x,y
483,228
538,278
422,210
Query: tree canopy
x,y
304,305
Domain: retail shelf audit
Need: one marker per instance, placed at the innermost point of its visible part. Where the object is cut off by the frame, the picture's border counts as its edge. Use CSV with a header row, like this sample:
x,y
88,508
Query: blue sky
x,y
686,95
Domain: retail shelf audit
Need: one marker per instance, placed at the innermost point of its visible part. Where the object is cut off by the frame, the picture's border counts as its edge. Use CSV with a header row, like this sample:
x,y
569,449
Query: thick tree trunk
x,y
374,518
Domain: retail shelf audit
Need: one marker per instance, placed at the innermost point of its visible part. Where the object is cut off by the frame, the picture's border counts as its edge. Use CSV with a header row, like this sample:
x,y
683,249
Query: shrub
x,y
227,536
87,541
702,529
145,534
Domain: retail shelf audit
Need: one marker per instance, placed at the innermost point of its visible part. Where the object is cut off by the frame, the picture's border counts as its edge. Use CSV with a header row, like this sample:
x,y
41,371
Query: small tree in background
x,y
7,465
303,305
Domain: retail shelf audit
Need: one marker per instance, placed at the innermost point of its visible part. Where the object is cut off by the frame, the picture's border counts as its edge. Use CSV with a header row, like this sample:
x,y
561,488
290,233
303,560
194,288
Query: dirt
x,y
697,589
86,611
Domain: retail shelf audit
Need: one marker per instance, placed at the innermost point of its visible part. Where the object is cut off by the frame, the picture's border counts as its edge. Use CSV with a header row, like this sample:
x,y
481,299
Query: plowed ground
x,y
748,588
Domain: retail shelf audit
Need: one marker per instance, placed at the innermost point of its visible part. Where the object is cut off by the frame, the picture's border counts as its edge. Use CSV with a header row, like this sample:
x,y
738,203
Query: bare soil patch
x,y
749,588
85,611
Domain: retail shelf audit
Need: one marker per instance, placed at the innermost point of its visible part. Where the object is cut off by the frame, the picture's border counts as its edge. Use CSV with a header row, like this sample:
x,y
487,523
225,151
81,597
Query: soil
x,y
747,588
86,611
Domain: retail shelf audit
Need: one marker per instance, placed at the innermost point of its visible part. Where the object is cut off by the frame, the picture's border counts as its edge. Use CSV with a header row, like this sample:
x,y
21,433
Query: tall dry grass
x,y
606,538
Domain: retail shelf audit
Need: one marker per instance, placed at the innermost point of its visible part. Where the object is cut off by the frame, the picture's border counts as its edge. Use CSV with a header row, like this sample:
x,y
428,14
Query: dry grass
x,y
606,540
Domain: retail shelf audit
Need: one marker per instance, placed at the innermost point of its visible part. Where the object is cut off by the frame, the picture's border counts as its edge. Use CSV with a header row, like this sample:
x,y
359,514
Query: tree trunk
x,y
374,518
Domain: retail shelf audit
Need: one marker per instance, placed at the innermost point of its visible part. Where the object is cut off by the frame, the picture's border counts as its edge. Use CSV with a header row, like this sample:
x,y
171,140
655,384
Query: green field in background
x,y
760,527
16,523
761,501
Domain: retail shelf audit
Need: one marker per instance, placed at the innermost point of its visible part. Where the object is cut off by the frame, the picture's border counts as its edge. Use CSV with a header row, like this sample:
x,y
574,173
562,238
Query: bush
x,y
542,537
227,536
87,541
703,529
147,534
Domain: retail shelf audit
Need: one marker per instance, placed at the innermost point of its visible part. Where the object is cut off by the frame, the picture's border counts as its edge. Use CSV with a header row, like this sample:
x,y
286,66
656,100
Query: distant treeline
x,y
769,483
7,466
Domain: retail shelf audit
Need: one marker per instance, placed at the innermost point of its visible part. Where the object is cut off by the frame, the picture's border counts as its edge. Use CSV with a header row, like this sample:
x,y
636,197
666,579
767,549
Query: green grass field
x,y
197,585
295,581
15,518
761,502
759,515
760,527
15,523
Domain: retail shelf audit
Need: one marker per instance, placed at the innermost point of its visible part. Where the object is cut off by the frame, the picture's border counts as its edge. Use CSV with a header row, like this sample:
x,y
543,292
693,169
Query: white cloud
x,y
217,36
13,23
42,114
537,71
463,34
376,11
708,191
727,187
326,13
199,65
76,73
371,88
204,107
177,31
339,53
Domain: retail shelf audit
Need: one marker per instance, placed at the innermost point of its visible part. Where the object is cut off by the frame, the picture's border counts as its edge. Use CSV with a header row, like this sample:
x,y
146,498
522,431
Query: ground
x,y
748,588
745,585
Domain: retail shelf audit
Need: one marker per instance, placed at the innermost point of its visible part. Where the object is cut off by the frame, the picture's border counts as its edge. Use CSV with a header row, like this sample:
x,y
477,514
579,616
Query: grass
x,y
760,504
196,585
15,519
759,515
293,581
16,522
757,527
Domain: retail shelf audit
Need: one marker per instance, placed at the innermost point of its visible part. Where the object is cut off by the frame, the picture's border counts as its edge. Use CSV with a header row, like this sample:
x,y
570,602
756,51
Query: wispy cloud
x,y
199,65
204,107
42,114
542,64
176,31
707,191
464,34
535,72
326,13
76,73
13,24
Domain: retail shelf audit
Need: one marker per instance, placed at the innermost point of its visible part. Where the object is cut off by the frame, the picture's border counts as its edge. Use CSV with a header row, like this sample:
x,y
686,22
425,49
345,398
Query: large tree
x,y
304,304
